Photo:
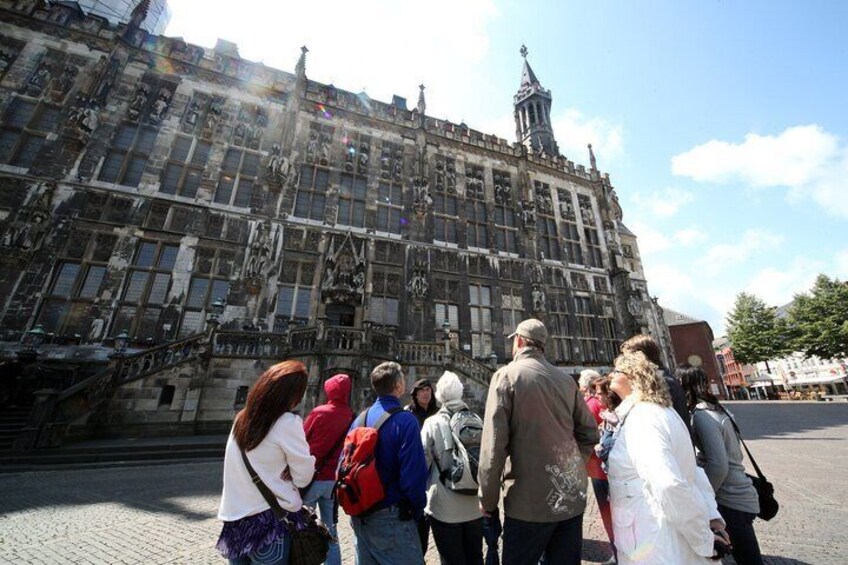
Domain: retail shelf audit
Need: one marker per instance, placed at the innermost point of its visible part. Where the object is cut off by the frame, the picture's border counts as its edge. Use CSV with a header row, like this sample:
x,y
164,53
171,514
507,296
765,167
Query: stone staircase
x,y
12,422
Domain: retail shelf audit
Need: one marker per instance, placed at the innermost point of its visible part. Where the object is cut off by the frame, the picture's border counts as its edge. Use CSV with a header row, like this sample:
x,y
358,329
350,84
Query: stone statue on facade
x,y
418,286
528,214
38,81
138,102
634,305
539,299
160,105
344,273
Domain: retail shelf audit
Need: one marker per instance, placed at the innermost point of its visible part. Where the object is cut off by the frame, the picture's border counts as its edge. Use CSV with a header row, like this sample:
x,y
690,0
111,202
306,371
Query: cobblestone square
x,y
166,514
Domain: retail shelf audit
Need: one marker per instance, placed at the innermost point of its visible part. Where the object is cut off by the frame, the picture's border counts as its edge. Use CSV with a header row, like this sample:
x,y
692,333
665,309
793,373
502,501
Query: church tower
x,y
533,113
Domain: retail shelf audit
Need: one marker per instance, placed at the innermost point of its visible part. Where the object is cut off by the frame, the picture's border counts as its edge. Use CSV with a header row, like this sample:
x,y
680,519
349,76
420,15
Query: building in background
x,y
120,11
167,235
737,377
692,341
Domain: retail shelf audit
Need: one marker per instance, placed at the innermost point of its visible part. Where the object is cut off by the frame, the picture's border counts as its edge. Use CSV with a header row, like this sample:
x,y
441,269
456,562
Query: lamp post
x,y
122,341
216,310
493,360
446,327
31,341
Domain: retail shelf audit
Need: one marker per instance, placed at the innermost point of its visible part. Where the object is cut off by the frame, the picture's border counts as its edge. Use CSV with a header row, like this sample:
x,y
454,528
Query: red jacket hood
x,y
337,389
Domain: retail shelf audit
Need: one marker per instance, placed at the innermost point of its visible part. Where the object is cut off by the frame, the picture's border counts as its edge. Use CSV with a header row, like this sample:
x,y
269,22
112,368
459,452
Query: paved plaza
x,y
166,514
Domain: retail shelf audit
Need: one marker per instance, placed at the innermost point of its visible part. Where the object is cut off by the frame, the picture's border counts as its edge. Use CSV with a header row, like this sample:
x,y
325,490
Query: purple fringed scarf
x,y
250,533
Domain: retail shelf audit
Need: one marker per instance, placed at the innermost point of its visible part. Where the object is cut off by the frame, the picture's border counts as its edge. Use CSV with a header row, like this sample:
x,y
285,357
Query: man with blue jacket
x,y
388,534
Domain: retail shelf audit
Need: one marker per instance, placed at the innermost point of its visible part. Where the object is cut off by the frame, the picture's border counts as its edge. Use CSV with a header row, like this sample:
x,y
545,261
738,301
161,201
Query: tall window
x,y
210,281
444,218
293,294
129,152
311,194
506,229
384,299
558,326
593,247
610,346
571,242
446,297
512,310
389,207
478,230
25,127
587,337
352,200
76,282
238,178
145,291
548,238
185,166
481,319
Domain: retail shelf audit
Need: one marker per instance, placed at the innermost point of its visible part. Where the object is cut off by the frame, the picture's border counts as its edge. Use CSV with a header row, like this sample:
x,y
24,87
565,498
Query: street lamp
x,y
34,338
122,341
493,359
446,326
217,308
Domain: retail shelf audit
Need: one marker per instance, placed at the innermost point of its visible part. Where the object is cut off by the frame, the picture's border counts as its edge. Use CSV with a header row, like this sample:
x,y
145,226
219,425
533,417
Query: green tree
x,y
818,320
754,331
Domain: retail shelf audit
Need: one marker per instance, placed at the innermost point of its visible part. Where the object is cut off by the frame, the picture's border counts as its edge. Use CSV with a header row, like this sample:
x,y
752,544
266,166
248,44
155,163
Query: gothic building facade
x,y
173,219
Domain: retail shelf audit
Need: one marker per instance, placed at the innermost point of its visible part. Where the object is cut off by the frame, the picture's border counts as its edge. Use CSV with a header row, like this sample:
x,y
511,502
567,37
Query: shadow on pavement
x,y
776,560
168,489
775,419
595,551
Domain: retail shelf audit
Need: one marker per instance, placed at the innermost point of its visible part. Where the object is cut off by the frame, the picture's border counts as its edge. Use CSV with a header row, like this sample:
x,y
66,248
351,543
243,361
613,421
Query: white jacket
x,y
284,446
661,500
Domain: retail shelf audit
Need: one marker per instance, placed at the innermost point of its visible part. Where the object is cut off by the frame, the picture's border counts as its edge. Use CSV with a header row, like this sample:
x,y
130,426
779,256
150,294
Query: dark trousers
x,y
740,528
424,533
459,544
558,543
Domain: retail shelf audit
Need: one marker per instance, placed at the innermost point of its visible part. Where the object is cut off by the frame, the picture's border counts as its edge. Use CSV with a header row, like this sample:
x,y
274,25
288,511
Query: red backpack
x,y
358,485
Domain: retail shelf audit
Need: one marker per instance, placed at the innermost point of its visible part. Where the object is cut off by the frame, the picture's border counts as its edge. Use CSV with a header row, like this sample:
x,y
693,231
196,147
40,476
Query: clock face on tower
x,y
695,360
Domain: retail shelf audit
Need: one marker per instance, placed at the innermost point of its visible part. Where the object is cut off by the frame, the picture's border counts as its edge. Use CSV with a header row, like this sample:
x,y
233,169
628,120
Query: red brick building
x,y
692,341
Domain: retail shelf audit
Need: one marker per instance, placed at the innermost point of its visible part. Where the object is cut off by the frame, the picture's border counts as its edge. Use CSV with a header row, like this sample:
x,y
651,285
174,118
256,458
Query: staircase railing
x,y
55,411
251,345
470,367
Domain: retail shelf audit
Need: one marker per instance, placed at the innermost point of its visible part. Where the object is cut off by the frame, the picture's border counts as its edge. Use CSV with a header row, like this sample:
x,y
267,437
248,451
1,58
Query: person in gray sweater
x,y
720,455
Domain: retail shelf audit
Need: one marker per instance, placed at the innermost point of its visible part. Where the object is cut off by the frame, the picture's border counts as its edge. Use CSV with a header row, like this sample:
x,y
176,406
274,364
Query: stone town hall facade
x,y
215,215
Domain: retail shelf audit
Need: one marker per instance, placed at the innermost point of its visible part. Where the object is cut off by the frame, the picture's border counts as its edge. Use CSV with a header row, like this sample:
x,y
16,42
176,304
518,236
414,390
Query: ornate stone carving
x,y
138,103
160,106
566,206
474,187
281,170
418,286
318,147
586,211
39,79
634,304
579,281
260,256
445,174
503,188
83,118
344,273
27,231
250,126
543,198
528,214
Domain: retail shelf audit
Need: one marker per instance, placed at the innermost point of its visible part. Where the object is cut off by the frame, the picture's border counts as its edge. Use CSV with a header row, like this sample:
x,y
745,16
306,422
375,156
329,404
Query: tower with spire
x,y
533,113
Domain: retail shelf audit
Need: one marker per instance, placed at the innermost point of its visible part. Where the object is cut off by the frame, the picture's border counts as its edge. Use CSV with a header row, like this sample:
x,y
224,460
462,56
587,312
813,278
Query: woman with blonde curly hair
x,y
663,508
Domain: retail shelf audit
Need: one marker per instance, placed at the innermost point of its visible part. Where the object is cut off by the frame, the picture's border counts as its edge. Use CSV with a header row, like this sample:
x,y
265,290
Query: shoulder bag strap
x,y
385,417
742,441
269,496
443,473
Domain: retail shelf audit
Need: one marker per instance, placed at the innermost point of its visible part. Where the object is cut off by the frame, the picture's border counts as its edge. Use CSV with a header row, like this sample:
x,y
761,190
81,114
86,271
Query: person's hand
x,y
286,474
718,527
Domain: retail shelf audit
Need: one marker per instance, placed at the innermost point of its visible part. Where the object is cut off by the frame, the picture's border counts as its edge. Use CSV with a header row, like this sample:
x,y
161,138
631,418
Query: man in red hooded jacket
x,y
326,427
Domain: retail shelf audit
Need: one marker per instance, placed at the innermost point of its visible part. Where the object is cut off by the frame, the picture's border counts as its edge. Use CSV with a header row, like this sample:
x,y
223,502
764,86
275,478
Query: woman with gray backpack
x,y
451,439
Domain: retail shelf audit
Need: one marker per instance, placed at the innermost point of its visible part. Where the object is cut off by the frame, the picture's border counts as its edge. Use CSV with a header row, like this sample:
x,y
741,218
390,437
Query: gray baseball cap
x,y
531,329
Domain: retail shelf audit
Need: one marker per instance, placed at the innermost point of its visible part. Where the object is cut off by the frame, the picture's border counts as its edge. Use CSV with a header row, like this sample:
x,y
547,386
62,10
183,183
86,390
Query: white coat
x,y
661,500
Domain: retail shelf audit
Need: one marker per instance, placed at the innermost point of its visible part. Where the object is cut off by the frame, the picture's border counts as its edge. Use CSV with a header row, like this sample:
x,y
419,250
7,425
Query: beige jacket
x,y
538,434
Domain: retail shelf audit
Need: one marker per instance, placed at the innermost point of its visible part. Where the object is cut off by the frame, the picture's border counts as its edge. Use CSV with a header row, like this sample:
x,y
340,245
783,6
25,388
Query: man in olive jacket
x,y
538,434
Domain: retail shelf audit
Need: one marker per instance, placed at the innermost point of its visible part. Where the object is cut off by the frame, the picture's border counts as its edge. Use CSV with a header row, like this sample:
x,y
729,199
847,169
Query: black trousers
x,y
459,544
424,533
558,543
740,528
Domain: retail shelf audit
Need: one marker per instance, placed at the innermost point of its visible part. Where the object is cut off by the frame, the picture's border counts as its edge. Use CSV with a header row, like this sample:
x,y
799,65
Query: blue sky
x,y
722,124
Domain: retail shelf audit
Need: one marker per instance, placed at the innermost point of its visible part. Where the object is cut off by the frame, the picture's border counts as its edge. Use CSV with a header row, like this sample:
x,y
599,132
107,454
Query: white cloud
x,y
730,255
689,237
663,203
649,239
841,264
382,46
809,161
777,285
573,131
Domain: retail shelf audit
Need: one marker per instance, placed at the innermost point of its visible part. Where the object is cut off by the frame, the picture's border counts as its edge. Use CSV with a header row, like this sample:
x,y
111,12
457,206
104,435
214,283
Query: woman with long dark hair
x,y
720,454
271,435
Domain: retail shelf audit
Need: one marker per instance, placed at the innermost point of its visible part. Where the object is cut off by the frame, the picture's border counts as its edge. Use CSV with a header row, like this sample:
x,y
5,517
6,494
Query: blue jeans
x,y
556,543
275,553
321,492
383,539
740,528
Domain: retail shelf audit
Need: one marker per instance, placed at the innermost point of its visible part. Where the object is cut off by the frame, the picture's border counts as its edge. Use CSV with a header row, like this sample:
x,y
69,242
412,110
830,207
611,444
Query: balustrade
x,y
303,340
421,353
155,359
254,345
343,339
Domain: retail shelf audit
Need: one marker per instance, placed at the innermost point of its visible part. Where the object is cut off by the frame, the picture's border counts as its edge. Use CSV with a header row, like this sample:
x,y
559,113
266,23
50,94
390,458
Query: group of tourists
x,y
662,454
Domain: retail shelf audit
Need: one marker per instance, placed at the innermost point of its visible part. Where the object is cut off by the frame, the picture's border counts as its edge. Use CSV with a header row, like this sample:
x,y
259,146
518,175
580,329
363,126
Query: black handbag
x,y
765,490
309,543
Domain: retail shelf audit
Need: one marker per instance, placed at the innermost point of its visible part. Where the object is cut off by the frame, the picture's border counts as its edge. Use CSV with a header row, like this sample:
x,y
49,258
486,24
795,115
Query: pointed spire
x,y
422,106
300,68
592,162
528,77
139,13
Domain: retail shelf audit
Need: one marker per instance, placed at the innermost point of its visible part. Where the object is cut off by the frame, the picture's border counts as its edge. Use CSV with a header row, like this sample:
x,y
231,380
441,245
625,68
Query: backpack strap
x,y
385,417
